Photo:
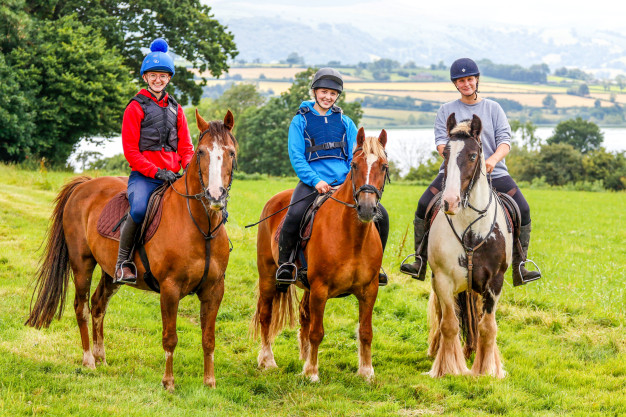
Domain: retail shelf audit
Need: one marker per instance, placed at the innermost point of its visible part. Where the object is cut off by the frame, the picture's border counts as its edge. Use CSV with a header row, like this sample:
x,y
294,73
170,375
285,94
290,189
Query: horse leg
x,y
169,310
82,283
487,360
305,323
434,319
210,300
366,308
449,358
99,302
265,306
317,304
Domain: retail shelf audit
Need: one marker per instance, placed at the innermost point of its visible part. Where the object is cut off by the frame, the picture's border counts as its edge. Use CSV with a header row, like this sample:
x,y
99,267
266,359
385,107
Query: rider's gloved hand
x,y
165,175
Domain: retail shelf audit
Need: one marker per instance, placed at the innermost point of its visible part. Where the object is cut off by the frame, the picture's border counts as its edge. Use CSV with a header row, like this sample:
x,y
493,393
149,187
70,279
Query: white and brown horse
x,y
469,250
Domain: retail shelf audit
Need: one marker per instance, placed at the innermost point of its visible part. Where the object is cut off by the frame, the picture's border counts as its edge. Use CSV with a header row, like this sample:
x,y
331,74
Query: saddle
x,y
305,230
117,209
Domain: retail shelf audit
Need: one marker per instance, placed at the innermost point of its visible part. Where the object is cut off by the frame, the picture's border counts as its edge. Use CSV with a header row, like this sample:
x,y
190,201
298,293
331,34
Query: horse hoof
x,y
314,378
210,382
168,385
366,373
89,361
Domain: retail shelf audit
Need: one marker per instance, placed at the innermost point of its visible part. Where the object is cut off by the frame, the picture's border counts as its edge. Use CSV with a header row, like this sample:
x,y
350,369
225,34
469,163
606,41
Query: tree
x,y
77,88
559,163
295,59
582,135
527,130
128,26
549,102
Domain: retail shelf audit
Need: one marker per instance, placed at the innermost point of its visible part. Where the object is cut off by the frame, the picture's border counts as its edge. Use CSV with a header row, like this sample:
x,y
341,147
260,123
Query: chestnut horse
x,y
469,250
344,255
191,233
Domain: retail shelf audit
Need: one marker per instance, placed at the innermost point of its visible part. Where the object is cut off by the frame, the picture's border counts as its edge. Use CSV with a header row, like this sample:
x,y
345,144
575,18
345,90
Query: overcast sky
x,y
386,16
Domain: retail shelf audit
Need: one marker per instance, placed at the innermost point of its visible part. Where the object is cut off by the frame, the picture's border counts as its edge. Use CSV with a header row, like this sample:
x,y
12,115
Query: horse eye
x,y
353,165
200,152
232,154
473,157
384,167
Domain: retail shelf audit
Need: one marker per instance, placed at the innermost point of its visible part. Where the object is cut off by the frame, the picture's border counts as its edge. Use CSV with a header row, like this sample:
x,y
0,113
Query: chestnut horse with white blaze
x,y
344,255
188,252
469,250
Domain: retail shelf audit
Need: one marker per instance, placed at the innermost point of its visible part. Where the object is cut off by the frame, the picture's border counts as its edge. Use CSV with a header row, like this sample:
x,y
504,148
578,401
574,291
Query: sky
x,y
388,15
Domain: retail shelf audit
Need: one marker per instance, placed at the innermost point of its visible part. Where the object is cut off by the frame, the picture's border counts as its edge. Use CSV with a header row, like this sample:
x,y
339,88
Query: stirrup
x,y
417,258
293,273
382,277
124,279
519,269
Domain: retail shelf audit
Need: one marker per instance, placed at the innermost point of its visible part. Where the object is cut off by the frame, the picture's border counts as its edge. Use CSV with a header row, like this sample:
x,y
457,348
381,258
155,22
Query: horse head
x,y
463,161
215,159
368,173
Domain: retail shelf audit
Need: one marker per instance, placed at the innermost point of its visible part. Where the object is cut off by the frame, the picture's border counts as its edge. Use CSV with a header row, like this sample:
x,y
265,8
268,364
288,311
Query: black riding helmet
x,y
327,78
463,67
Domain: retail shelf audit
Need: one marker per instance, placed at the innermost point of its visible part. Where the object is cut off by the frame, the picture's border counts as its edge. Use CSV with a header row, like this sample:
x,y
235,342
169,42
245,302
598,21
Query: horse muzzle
x,y
218,203
450,205
367,208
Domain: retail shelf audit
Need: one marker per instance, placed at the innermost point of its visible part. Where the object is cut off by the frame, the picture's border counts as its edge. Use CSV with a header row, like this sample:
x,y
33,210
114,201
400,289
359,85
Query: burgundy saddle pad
x,y
109,222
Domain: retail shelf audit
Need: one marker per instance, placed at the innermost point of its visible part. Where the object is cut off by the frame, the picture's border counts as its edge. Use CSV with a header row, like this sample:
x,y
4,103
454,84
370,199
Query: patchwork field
x,y
562,339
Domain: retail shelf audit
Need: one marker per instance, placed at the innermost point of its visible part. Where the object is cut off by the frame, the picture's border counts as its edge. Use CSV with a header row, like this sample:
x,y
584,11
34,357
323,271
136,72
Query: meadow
x,y
562,338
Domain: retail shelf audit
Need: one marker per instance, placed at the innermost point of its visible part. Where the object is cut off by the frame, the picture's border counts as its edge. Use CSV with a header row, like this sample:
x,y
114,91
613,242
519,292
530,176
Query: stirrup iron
x,y
523,264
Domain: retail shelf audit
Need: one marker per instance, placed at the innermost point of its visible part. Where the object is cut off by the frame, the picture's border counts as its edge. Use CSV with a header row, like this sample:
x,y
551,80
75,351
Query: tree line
x,y
68,68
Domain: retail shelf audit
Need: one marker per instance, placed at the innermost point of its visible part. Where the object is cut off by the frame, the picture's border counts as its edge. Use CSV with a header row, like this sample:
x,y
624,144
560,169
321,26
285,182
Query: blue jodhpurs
x,y
139,190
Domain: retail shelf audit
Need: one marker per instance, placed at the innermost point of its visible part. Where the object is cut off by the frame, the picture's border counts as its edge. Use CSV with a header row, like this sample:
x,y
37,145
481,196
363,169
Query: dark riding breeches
x,y
291,227
504,185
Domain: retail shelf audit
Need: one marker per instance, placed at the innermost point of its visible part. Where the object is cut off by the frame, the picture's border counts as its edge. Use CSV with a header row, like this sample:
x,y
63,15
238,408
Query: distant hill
x,y
273,39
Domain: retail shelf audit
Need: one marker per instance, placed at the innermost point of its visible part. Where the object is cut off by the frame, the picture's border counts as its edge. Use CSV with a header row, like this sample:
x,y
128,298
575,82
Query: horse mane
x,y
218,131
462,128
371,145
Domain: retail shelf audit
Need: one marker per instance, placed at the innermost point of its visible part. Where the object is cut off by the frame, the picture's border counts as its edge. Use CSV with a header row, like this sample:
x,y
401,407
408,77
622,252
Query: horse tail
x,y
434,321
283,314
468,314
54,270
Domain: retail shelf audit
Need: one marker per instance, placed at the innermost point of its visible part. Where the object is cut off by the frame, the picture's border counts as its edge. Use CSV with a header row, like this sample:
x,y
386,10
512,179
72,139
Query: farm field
x,y
562,339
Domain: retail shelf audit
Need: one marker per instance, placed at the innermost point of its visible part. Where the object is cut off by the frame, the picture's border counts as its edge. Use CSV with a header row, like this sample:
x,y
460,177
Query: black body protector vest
x,y
159,125
324,136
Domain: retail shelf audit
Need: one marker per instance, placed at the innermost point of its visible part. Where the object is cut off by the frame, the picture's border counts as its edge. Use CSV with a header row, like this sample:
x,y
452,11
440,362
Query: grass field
x,y
562,338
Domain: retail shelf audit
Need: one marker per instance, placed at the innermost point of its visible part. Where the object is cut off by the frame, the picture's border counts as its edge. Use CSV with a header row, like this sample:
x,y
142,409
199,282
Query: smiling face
x,y
324,99
157,81
467,85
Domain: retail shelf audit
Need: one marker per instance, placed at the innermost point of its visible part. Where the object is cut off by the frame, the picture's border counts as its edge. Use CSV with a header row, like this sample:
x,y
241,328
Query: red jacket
x,y
148,162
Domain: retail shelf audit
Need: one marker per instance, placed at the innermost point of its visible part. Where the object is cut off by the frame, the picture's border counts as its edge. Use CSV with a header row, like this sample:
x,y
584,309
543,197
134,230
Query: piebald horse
x,y
344,255
188,252
469,250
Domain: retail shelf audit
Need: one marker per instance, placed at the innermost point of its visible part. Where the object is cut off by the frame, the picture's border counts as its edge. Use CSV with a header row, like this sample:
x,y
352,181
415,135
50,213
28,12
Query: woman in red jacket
x,y
156,145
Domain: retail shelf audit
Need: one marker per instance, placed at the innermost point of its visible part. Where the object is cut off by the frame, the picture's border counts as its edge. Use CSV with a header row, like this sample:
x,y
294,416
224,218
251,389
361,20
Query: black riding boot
x,y
286,273
417,269
125,269
521,275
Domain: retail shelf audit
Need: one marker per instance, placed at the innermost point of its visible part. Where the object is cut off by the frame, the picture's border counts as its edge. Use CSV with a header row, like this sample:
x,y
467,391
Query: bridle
x,y
365,188
204,197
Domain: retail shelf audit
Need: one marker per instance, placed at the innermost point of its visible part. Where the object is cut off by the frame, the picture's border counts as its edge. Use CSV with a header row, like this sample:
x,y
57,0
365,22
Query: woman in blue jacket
x,y
321,141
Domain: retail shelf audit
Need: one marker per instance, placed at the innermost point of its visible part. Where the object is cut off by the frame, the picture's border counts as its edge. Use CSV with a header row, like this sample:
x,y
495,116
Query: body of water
x,y
406,147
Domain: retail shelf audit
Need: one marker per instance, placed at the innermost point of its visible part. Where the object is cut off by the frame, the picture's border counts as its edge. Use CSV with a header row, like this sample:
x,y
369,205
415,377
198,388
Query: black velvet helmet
x,y
463,67
327,78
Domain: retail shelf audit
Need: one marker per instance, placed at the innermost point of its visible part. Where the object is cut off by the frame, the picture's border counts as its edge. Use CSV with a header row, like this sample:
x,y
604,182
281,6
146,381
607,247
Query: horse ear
x,y
201,123
476,126
360,137
382,138
229,120
451,123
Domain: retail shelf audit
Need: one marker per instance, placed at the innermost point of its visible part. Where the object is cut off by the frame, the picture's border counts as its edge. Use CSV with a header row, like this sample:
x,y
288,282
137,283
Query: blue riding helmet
x,y
158,59
463,67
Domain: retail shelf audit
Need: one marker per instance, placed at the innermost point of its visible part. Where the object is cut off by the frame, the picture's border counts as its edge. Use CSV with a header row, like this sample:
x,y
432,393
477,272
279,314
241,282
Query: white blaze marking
x,y
452,187
371,158
215,171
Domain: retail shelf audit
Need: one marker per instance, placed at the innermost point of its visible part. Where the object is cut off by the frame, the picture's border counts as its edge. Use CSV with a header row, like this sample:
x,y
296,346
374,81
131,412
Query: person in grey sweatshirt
x,y
496,142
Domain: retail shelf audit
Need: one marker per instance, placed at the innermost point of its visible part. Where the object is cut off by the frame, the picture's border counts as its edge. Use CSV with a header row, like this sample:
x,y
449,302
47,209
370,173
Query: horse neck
x,y
479,198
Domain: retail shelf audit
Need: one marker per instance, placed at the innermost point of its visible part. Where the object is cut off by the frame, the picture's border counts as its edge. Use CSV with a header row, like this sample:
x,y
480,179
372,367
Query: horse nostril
x,y
446,205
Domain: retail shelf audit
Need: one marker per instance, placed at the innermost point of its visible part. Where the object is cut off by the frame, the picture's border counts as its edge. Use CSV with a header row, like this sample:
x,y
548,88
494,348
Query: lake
x,y
406,147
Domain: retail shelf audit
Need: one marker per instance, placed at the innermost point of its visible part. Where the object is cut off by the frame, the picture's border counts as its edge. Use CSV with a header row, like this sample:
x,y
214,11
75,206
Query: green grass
x,y
562,338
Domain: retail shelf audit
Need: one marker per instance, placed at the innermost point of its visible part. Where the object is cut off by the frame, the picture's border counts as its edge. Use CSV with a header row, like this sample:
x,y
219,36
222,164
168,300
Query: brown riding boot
x,y
125,269
417,269
521,275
